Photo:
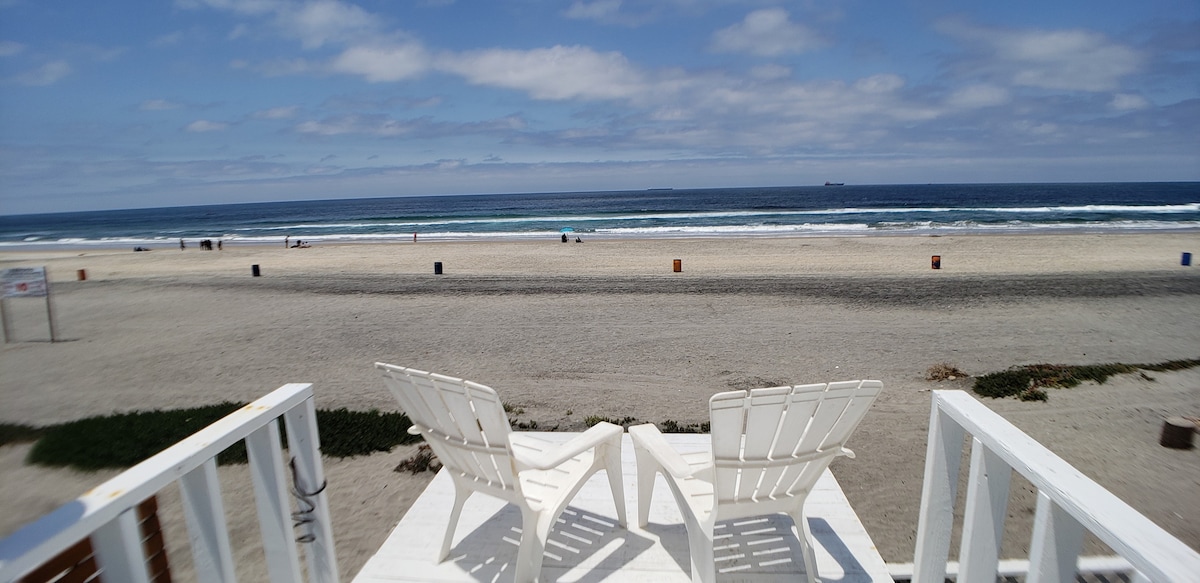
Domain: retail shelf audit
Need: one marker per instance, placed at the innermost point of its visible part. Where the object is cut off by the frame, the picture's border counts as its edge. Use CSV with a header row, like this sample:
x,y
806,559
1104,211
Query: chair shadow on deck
x,y
761,545
489,551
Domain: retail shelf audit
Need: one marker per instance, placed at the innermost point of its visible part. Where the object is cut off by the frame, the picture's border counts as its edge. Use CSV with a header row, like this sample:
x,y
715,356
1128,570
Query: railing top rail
x,y
73,521
1152,550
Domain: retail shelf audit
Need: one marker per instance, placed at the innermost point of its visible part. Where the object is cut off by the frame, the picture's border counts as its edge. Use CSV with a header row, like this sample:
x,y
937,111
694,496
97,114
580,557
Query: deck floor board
x,y
588,545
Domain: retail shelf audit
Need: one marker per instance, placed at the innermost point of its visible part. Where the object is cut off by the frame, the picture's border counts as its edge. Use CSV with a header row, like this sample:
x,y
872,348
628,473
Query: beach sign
x,y
24,282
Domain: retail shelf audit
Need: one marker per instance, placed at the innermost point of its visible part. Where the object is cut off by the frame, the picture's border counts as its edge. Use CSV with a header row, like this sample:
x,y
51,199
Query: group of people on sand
x,y
299,244
577,239
205,244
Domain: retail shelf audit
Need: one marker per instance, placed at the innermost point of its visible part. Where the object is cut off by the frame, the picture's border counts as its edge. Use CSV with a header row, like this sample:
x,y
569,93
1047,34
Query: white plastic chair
x,y
769,446
466,426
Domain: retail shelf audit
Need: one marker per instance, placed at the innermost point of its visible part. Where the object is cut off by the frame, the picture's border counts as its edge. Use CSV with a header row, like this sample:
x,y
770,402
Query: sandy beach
x,y
607,328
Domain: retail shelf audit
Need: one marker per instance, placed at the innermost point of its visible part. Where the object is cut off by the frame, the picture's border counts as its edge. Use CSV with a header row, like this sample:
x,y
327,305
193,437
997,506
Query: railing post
x,y
274,511
983,523
1057,541
305,447
205,516
118,548
939,489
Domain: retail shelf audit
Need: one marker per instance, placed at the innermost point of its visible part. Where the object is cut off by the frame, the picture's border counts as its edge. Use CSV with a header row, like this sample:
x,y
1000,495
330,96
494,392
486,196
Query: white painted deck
x,y
588,545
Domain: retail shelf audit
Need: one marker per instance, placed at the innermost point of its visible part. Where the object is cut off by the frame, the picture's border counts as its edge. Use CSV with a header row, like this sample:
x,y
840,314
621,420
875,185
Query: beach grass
x,y
1028,382
125,439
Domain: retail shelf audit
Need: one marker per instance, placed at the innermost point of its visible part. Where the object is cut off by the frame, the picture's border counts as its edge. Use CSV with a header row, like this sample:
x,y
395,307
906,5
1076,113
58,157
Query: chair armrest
x,y
555,456
650,439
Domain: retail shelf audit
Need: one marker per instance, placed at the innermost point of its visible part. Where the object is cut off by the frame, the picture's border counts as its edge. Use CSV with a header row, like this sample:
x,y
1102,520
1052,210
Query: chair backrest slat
x,y
765,409
461,405
727,411
470,415
833,403
802,403
778,423
860,402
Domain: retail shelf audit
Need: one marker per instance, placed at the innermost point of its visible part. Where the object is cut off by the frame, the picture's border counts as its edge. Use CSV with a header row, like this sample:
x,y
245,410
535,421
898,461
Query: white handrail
x,y
1068,503
100,511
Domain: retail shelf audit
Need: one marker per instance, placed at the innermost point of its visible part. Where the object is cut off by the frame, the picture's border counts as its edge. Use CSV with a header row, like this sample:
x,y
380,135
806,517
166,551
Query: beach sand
x,y
606,328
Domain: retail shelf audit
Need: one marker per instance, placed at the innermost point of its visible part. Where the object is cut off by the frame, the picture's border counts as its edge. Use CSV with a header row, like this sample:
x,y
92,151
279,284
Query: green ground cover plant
x,y
124,439
1028,382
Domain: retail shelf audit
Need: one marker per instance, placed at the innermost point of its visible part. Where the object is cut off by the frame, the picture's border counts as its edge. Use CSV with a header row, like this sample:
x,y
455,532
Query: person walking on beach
x,y
285,241
181,245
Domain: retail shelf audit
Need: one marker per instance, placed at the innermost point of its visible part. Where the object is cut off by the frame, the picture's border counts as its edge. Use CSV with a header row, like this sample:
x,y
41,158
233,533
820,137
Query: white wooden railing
x,y
1068,502
106,513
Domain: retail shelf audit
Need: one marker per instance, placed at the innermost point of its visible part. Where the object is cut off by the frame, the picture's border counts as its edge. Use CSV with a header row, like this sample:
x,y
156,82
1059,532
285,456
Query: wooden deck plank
x,y
588,545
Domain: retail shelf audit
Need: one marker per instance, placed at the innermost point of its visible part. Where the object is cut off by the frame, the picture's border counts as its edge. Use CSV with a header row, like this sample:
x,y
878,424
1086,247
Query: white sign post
x,y
25,282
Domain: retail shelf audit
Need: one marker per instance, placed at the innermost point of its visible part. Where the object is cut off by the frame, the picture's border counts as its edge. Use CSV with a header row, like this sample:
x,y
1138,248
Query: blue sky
x,y
141,103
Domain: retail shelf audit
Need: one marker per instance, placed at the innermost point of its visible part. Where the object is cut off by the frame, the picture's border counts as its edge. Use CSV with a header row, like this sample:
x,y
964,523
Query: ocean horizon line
x,y
675,190
654,214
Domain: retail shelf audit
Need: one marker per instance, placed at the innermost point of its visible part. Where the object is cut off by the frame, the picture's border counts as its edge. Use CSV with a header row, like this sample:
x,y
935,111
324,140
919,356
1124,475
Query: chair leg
x,y
612,467
535,531
646,469
804,535
700,546
460,498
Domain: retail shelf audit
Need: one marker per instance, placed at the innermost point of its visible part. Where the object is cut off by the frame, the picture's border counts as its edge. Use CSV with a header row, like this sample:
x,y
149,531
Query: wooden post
x,y
4,319
49,313
938,492
1055,544
983,519
204,512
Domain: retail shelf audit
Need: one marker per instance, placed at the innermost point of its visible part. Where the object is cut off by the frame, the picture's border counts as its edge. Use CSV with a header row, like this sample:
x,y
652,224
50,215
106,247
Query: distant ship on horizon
x,y
828,183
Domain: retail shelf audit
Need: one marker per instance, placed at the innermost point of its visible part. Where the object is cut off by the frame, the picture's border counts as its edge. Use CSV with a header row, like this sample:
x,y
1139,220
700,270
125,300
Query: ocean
x,y
850,210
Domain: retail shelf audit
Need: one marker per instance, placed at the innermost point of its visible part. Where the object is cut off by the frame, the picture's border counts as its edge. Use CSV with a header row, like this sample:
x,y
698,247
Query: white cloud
x,y
278,112
318,22
556,73
246,7
9,48
883,83
314,22
1071,60
382,63
203,125
1128,102
598,10
158,105
47,74
976,96
767,33
355,124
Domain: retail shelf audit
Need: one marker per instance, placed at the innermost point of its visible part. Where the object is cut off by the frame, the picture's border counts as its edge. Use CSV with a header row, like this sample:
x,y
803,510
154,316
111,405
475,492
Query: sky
x,y
155,103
